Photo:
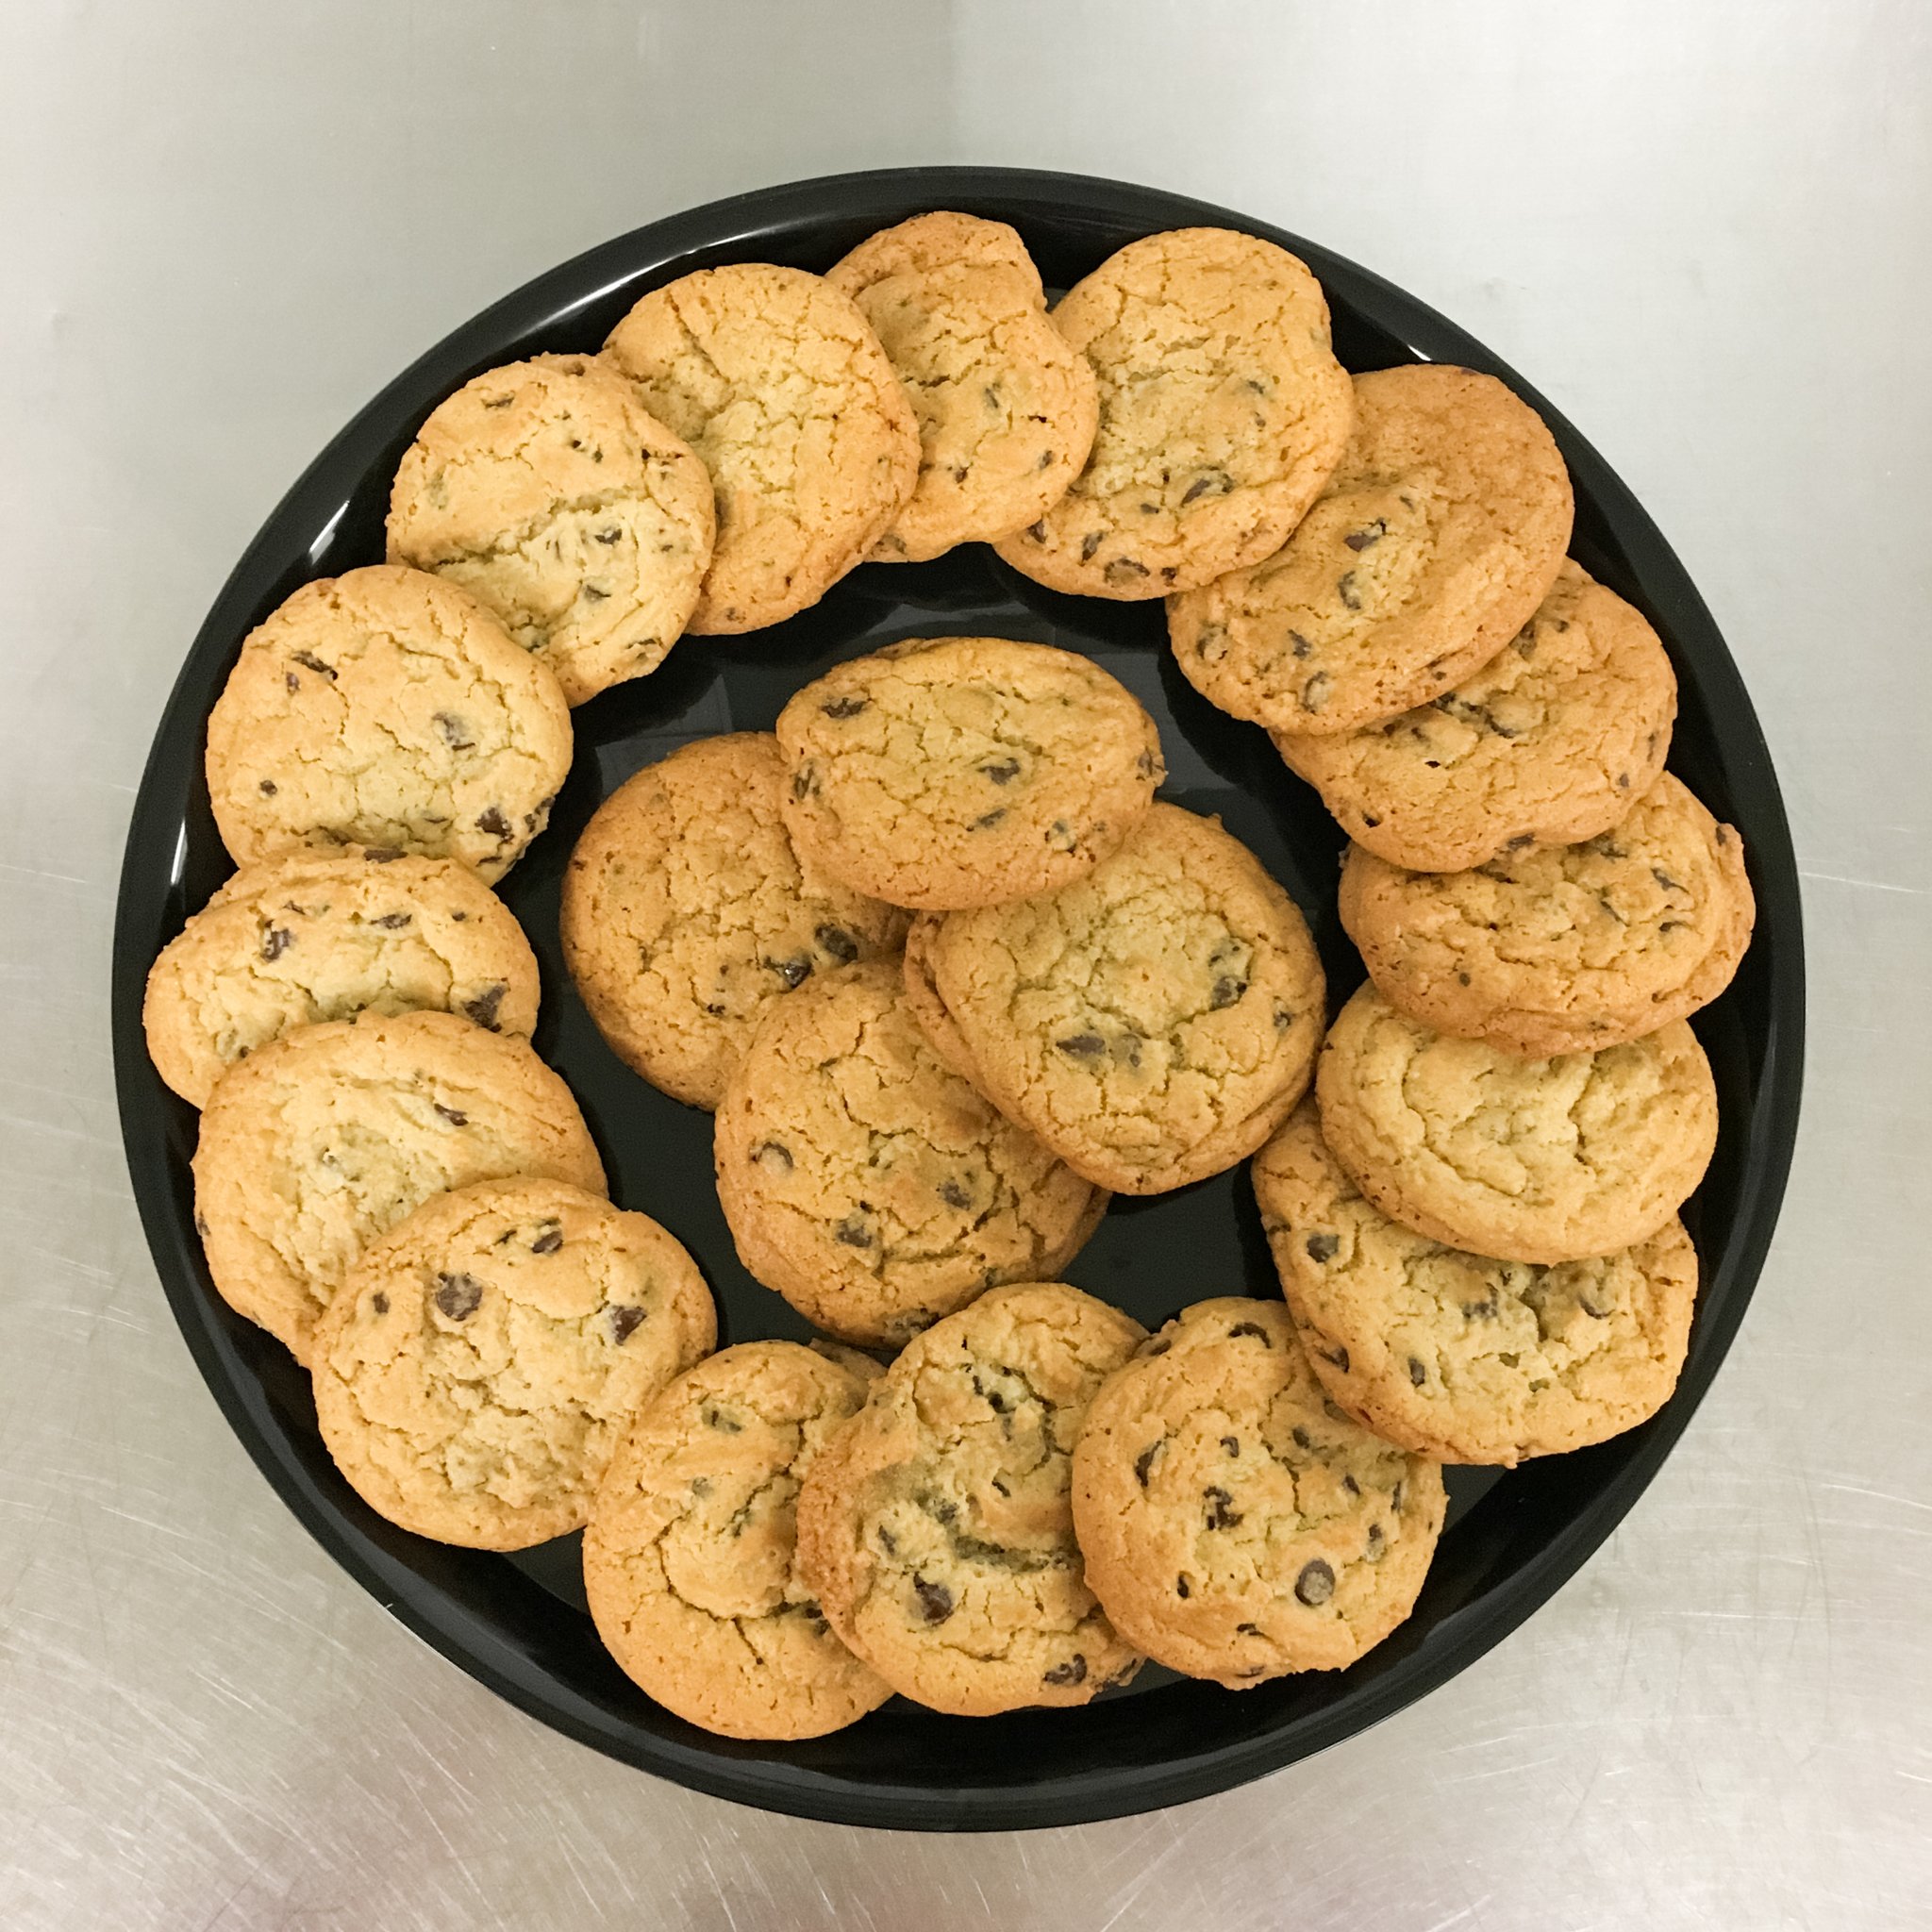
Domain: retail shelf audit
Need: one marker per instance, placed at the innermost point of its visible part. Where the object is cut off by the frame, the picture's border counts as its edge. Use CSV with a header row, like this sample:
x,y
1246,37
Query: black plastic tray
x,y
517,1623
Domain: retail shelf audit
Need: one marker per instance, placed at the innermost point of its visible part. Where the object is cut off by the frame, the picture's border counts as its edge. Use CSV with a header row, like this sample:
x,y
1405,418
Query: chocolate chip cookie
x,y
941,773
481,1360
689,1559
1552,740
314,936
776,380
1538,1160
1438,535
1459,1356
1235,1526
1007,405
936,1528
385,707
1222,410
1563,948
867,1182
330,1135
1154,1021
550,493
687,913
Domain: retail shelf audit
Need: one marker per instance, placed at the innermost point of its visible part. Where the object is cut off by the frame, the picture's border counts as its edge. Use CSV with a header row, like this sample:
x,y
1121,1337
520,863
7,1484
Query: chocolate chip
x,y
294,682
1181,1586
454,732
1417,1373
1299,644
1038,531
1124,570
1221,1514
1061,834
990,392
267,788
1602,899
935,1600
843,707
483,1008
310,662
888,1543
1345,589
378,1303
773,1157
1593,1306
1369,820
493,823
1002,770
1213,643
1088,544
725,1424
1082,1046
548,1241
1232,1445
837,942
1368,533
1723,832
1622,781
1349,1483
1144,764
988,820
391,921
1227,990
275,942
1316,1584
624,1322
1664,880
1395,1498
805,781
1377,1538
1464,979
1073,1671
594,594
607,538
1485,1310
451,1115
1144,1461
1315,692
1253,1328
853,1233
1284,1019
382,855
1046,459
459,1295
1219,481
794,971
1339,1359
1301,1438
955,1193
1323,1247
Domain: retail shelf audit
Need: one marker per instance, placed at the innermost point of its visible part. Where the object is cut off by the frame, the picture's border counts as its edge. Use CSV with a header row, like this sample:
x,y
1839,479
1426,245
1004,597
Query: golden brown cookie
x,y
312,936
687,913
385,707
1007,405
1222,411
935,1530
776,380
689,1559
330,1135
1154,1021
922,999
948,772
1552,740
1234,1525
1526,1159
1438,535
549,492
482,1359
1566,948
870,1184
1460,1356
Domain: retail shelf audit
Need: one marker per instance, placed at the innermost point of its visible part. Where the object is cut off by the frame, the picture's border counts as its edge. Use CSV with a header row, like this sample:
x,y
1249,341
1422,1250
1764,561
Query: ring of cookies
x,y
949,975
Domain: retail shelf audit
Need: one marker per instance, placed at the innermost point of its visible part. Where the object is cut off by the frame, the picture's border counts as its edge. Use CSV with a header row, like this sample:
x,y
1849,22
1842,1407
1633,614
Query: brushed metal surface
x,y
1701,227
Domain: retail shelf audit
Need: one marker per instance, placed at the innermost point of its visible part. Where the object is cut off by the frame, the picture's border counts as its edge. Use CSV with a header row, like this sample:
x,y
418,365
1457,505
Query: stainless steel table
x,y
1701,227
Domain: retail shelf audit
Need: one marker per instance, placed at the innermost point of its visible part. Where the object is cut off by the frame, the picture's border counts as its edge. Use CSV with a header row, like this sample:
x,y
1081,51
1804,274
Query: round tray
x,y
517,1623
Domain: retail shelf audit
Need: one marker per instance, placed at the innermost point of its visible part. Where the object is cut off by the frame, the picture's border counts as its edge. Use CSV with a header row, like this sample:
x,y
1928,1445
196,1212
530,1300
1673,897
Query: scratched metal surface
x,y
1701,228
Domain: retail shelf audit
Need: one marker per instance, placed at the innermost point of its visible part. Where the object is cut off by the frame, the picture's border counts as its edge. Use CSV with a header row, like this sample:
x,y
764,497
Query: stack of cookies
x,y
949,975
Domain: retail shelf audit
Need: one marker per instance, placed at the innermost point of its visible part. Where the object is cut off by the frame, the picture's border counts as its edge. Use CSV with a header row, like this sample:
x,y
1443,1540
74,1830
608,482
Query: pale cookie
x,y
871,1185
935,1530
315,936
1552,740
687,913
550,493
1459,1356
1154,1021
1438,534
922,999
1566,948
1526,1159
481,1362
777,381
691,1562
1007,405
385,707
330,1135
1235,1525
1222,411
948,772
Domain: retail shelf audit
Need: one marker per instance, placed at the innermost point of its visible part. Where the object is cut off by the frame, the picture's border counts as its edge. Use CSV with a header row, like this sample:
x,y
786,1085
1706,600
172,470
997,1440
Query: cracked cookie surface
x,y
776,379
330,1135
1459,1356
1222,411
1154,1021
1551,742
548,492
687,913
1566,948
942,773
481,1360
868,1183
691,1561
385,707
1438,534
313,936
1235,1526
936,1528
1007,405
1542,1160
